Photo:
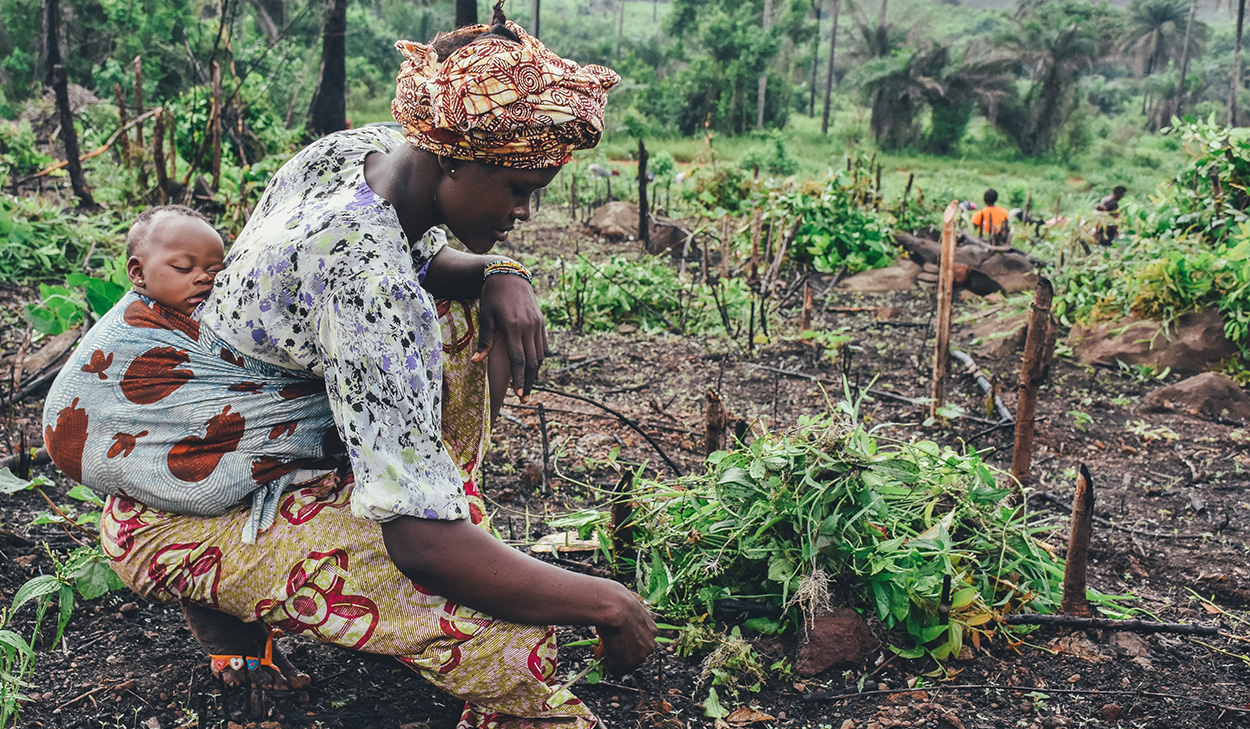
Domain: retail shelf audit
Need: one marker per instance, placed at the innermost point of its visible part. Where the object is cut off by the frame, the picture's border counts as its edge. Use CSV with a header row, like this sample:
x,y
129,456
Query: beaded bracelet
x,y
504,265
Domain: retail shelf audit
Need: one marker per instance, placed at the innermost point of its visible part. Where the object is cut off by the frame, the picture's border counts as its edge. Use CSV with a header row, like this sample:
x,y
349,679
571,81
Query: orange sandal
x,y
221,663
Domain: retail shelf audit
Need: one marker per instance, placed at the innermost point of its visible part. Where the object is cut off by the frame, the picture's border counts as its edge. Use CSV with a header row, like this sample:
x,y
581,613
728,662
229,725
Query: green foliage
x,y
646,294
39,241
770,158
829,507
62,308
19,153
836,232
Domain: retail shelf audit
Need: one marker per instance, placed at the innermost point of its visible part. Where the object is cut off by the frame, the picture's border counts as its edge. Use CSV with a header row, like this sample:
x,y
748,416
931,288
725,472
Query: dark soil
x,y
1174,487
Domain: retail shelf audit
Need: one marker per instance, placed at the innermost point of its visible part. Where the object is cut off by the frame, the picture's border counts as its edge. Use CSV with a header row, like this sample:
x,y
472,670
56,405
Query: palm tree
x,y
1156,34
896,88
969,82
1058,42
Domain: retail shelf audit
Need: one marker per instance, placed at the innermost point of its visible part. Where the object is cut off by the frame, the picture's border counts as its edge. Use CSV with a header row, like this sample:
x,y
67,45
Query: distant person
x,y
991,221
1108,226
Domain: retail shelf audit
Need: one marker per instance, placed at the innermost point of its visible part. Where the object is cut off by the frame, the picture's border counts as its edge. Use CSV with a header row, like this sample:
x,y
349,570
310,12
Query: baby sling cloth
x,y
153,407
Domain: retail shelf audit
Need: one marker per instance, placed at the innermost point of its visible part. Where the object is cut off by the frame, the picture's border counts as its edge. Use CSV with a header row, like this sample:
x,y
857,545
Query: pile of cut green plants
x,y
834,513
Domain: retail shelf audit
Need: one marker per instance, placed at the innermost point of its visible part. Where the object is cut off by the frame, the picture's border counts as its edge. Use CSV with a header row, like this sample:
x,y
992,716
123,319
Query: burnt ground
x,y
1173,491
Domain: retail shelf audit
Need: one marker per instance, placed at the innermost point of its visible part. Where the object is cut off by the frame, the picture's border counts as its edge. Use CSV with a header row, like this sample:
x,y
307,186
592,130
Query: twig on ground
x,y
633,424
1046,496
577,365
850,693
1131,626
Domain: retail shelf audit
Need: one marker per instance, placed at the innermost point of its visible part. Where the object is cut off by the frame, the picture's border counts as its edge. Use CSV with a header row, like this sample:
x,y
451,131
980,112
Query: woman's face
x,y
481,203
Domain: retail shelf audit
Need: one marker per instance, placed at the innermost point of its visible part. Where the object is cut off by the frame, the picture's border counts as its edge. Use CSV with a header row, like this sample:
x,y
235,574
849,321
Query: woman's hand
x,y
509,311
631,636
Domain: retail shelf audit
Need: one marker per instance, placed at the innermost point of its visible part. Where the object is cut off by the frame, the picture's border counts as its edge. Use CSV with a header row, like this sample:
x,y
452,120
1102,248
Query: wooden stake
x,y
945,291
1074,602
573,196
757,225
1030,378
158,156
215,126
644,213
715,438
138,63
121,122
911,177
726,232
69,137
805,321
622,531
542,428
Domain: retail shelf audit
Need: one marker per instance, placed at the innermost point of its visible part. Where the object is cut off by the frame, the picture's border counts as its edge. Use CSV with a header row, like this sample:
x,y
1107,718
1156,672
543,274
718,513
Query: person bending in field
x,y
1108,226
991,221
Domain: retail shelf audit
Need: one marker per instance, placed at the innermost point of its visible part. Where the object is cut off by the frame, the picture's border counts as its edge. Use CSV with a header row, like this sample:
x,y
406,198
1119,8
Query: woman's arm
x,y
509,310
466,565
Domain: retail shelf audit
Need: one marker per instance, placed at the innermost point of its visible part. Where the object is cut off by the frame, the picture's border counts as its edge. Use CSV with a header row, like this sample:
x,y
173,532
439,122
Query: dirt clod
x,y
839,638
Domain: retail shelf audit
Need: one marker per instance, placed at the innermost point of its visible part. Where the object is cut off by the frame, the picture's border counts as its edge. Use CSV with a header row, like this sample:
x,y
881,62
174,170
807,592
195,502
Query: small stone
x,y
781,715
1111,712
128,608
838,638
128,686
615,705
164,696
883,687
153,723
627,328
848,724
1074,678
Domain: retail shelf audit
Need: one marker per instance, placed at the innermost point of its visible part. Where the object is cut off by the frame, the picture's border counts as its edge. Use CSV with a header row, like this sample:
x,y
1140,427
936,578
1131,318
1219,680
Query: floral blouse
x,y
323,281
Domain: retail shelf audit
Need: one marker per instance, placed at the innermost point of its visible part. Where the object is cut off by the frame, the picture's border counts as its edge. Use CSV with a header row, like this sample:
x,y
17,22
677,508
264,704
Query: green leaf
x,y
897,470
712,707
767,626
35,589
82,493
11,484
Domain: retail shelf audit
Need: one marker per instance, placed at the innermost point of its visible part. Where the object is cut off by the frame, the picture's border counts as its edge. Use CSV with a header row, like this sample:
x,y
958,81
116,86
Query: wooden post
x,y
715,433
805,321
622,532
1030,378
171,125
69,137
1074,602
158,156
644,214
124,140
945,292
143,169
911,176
215,126
757,225
573,196
726,232
542,428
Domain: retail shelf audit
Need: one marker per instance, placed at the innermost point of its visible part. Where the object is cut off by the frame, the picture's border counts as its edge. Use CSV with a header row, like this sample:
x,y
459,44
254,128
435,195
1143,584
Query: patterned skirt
x,y
322,572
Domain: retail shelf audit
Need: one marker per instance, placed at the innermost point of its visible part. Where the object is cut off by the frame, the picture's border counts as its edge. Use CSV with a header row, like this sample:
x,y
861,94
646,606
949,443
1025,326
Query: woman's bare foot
x,y
225,635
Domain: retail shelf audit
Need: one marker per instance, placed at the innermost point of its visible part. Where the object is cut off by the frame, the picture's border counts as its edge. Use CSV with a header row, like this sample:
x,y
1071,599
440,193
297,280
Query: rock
x,y
899,277
1194,344
838,638
1210,394
848,724
930,267
1131,643
1110,712
615,220
884,313
1002,338
988,268
619,220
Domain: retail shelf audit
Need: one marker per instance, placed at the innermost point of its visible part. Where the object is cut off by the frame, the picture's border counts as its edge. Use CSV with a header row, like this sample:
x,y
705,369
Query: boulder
x,y
899,277
1210,394
619,220
615,220
840,638
1001,337
988,268
1193,345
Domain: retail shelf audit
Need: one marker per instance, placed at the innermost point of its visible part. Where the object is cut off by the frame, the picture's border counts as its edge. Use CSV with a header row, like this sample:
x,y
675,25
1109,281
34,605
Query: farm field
x,y
1170,487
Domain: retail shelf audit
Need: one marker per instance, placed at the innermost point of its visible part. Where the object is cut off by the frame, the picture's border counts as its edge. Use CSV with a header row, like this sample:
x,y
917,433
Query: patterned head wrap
x,y
499,102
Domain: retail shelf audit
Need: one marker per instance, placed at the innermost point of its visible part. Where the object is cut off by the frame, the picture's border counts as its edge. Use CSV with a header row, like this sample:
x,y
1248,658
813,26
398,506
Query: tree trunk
x,y
644,218
768,23
328,112
833,47
69,137
1236,86
269,17
620,30
466,13
1182,93
811,87
51,21
538,6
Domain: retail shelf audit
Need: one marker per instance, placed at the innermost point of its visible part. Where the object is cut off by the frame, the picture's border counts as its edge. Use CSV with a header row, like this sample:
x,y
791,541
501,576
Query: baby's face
x,y
176,266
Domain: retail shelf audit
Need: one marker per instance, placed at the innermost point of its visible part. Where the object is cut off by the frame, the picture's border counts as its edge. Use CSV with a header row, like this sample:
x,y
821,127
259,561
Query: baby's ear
x,y
134,271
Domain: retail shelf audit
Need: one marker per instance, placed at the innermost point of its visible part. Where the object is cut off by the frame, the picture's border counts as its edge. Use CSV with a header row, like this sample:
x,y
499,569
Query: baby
x,y
172,256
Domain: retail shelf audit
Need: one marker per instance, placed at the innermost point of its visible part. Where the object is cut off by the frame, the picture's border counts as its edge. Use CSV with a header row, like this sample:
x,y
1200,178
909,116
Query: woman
x,y
335,277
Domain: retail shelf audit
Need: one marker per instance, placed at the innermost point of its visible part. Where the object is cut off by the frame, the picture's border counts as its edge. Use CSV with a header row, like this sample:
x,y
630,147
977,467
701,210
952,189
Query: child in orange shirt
x,y
990,222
